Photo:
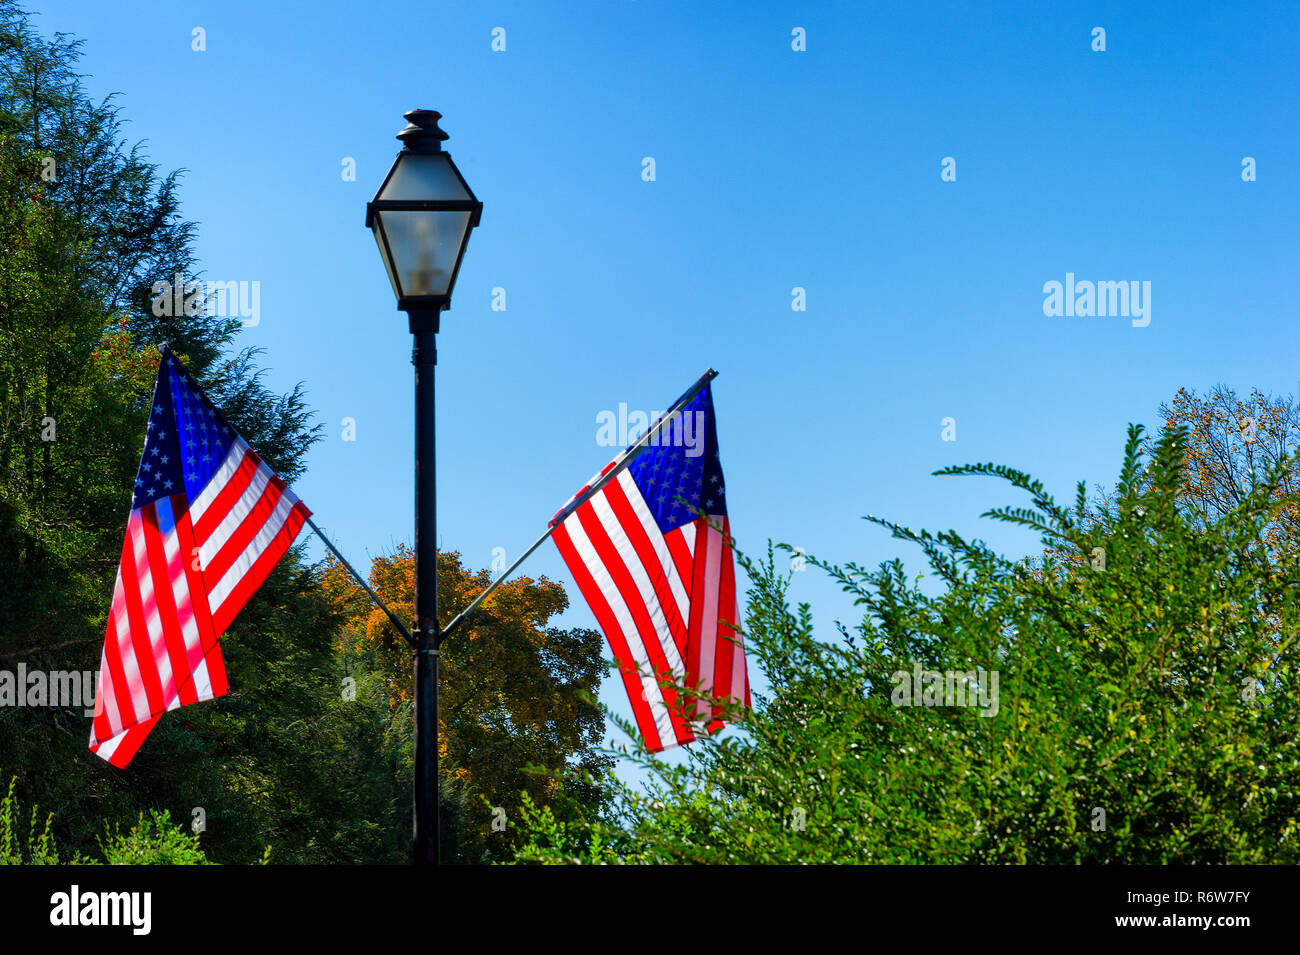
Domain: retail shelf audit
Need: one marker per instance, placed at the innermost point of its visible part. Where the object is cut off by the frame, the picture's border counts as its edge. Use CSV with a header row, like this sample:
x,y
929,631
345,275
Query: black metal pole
x,y
424,326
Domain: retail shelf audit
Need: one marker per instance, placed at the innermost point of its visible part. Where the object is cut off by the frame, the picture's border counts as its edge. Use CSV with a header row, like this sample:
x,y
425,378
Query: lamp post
x,y
421,218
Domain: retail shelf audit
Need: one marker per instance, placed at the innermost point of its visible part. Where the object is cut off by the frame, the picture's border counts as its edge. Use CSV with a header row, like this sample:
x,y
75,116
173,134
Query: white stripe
x,y
223,476
107,693
202,681
209,548
660,545
709,614
106,697
618,537
688,534
739,674
244,562
161,662
126,653
107,748
184,608
587,486
609,590
181,590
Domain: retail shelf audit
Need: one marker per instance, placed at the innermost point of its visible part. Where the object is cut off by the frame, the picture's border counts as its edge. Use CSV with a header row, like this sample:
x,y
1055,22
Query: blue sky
x,y
774,169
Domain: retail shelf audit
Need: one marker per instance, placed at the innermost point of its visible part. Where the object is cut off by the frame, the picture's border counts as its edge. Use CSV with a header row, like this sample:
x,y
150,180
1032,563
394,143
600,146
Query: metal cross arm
x,y
392,617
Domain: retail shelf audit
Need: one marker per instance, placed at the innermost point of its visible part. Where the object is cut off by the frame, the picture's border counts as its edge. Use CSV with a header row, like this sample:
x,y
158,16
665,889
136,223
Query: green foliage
x,y
24,845
278,760
1147,707
87,227
153,840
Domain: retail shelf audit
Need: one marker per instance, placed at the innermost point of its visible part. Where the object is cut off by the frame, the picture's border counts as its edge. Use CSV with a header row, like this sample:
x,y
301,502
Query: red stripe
x,y
131,742
117,678
627,587
261,568
725,649
220,505
208,634
613,634
728,611
135,617
693,676
569,506
243,535
645,550
101,729
682,558
216,664
169,616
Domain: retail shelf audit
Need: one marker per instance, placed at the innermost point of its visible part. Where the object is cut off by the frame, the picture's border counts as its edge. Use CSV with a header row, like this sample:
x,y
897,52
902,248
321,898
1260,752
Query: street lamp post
x,y
421,218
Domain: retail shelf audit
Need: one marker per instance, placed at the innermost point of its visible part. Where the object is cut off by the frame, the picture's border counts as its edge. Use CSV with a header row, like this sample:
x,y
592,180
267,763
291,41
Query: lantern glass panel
x,y
425,246
424,176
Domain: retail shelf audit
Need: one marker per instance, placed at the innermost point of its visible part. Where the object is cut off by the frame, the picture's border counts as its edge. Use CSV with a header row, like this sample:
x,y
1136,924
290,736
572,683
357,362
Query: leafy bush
x,y
153,840
1146,709
24,845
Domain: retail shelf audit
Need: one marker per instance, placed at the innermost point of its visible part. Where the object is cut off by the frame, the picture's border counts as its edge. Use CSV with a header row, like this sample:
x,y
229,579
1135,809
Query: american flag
x,y
659,577
208,522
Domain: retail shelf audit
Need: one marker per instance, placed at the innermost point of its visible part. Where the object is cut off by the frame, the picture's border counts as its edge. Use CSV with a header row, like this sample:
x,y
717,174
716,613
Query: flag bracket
x,y
392,617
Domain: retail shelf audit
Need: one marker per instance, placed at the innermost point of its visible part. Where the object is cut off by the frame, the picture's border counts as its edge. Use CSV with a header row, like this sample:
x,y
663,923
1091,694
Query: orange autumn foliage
x,y
512,688
1232,443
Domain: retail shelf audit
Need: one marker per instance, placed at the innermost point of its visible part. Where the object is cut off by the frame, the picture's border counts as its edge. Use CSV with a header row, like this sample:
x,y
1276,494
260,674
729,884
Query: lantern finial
x,y
422,133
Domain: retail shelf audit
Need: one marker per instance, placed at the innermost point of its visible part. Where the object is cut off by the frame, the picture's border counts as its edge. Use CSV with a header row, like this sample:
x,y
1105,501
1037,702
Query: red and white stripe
x,y
665,602
185,572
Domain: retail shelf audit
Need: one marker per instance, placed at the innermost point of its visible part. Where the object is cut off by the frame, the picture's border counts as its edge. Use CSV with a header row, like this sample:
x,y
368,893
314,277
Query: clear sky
x,y
774,169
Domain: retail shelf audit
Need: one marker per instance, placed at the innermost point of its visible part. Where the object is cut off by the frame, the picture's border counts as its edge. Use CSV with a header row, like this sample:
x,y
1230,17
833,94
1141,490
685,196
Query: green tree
x,y
87,226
